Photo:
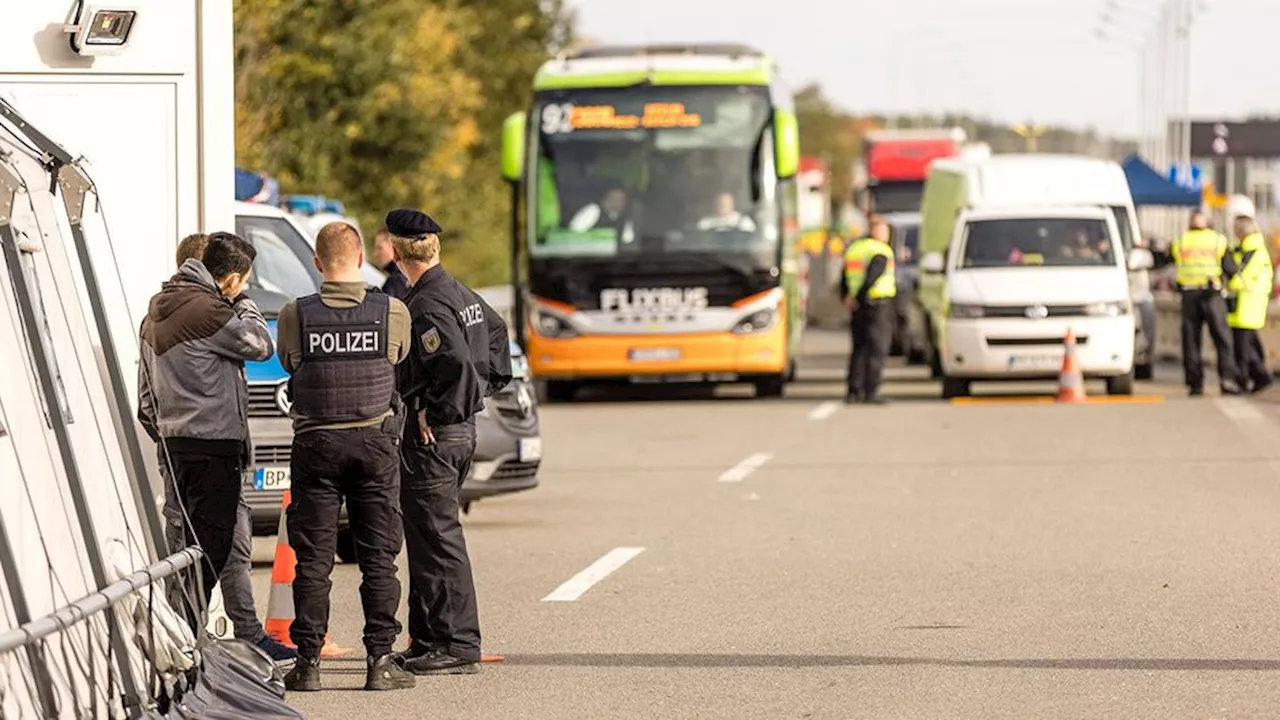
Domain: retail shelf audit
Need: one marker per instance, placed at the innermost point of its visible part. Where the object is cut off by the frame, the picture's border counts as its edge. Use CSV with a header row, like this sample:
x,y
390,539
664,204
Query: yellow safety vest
x,y
856,260
1252,285
1198,255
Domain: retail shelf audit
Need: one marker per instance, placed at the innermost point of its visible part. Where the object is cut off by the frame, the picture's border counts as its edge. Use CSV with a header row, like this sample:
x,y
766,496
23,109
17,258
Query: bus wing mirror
x,y
513,139
786,143
932,262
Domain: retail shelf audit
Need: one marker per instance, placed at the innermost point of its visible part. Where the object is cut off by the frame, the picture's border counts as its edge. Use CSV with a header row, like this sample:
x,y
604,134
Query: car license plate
x,y
530,449
271,478
654,354
1035,362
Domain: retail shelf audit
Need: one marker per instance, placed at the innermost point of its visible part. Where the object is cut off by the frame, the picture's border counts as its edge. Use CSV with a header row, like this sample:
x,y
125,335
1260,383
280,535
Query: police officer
x,y
869,287
460,354
1202,259
1252,286
340,348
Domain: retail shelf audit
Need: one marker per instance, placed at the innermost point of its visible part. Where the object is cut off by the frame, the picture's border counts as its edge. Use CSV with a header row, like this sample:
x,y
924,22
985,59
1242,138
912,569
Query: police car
x,y
508,440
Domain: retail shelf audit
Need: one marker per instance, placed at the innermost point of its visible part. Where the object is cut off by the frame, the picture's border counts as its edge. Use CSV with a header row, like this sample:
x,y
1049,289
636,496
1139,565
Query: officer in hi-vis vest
x,y
460,354
340,348
1252,287
869,286
1202,260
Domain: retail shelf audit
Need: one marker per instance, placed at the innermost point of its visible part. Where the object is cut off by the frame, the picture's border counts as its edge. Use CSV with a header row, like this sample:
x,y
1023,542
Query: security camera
x,y
102,30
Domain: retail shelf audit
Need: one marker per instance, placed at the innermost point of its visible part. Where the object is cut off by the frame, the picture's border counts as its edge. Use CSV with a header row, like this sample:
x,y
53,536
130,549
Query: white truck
x,y
1015,251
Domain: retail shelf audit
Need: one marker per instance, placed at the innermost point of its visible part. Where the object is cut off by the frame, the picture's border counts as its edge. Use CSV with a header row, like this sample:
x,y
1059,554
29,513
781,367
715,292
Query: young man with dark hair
x,y
237,586
192,397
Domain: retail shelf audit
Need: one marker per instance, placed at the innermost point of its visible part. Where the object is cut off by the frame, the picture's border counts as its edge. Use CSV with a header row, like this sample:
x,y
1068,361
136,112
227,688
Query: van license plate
x,y
1035,362
530,449
654,354
271,478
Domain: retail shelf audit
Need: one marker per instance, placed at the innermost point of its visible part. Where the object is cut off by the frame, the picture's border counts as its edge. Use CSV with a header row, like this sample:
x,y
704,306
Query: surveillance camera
x,y
102,31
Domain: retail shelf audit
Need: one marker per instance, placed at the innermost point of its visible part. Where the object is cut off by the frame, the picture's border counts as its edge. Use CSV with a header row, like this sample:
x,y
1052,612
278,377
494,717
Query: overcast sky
x,y
1014,60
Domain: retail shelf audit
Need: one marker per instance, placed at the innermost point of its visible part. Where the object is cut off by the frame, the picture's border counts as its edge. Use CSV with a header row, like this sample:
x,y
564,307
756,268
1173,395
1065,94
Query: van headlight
x,y
551,325
758,321
964,311
1107,309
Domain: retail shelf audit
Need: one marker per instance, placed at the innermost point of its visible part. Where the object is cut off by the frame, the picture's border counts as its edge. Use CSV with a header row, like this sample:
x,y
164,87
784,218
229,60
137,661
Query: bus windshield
x,y
653,170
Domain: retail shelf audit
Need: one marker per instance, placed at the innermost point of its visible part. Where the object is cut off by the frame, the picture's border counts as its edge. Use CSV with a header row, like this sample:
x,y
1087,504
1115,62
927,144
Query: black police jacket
x,y
460,351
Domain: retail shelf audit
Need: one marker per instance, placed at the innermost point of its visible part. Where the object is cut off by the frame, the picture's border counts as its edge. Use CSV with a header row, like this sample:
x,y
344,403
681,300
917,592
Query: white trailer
x,y
116,139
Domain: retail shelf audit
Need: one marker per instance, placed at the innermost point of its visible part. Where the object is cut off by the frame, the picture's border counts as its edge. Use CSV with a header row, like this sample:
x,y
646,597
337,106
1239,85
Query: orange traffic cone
x,y
1071,380
280,612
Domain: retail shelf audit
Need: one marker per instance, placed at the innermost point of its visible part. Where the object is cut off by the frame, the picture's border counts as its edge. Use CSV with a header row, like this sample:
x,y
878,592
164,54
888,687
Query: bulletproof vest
x,y
345,375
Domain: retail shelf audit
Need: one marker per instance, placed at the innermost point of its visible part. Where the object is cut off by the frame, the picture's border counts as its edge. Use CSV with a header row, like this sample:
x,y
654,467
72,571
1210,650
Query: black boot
x,y
385,673
440,663
305,675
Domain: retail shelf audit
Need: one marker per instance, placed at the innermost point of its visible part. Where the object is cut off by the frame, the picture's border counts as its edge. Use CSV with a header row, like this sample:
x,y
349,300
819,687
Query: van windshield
x,y
1047,242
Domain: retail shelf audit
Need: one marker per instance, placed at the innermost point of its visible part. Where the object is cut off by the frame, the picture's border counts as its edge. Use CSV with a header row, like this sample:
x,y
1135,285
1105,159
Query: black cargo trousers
x,y
871,326
443,612
362,466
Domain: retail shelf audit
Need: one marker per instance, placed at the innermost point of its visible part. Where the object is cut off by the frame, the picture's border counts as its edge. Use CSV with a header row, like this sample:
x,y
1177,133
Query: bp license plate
x,y
530,449
276,478
1036,362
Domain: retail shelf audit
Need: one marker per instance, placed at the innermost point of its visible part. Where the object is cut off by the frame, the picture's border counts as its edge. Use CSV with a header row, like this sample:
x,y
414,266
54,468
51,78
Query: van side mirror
x,y
513,137
932,262
786,143
1141,259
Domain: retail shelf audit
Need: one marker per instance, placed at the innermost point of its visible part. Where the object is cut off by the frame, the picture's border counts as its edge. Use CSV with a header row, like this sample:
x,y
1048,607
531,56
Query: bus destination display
x,y
567,117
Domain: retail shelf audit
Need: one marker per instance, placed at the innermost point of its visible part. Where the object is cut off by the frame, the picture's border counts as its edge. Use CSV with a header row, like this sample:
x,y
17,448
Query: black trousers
x,y
1251,357
1201,308
443,613
362,466
872,327
209,487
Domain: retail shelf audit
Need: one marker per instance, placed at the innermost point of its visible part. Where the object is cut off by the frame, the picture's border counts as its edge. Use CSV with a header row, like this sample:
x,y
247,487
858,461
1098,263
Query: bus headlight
x,y
1107,309
758,321
964,311
550,325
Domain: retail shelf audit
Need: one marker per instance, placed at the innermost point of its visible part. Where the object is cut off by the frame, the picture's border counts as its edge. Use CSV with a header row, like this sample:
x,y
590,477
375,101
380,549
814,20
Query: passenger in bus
x,y
610,212
727,217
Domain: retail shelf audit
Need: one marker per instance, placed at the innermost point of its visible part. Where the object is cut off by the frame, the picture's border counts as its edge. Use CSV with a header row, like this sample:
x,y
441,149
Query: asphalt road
x,y
799,558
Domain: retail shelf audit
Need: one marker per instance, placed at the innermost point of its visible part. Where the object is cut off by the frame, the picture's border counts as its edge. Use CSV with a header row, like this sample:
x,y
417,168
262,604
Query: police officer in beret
x,y
341,347
460,354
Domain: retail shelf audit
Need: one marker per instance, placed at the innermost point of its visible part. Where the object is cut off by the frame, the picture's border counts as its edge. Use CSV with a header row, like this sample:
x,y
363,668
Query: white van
x,y
1016,250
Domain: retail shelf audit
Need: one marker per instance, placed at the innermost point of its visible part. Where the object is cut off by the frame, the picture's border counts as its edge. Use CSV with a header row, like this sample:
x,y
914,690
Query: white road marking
x,y
1240,410
751,496
739,472
575,586
824,411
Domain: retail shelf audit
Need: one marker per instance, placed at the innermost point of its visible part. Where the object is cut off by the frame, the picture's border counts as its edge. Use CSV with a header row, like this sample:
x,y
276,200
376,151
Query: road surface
x,y
799,558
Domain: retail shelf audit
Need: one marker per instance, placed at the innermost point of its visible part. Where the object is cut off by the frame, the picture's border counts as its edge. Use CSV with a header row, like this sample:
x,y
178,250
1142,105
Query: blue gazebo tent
x,y
1149,187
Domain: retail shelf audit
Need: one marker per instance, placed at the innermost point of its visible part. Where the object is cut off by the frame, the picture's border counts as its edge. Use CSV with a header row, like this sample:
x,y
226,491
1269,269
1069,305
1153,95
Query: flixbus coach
x,y
654,219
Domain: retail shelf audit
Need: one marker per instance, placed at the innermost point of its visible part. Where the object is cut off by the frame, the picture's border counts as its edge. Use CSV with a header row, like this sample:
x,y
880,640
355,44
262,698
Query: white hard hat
x,y
1240,206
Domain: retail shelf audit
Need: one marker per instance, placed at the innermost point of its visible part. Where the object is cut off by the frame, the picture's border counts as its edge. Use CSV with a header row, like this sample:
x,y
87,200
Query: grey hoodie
x,y
195,342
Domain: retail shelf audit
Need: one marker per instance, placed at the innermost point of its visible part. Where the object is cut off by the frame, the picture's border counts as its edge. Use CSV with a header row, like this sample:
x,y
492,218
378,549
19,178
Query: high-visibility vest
x,y
1252,285
858,257
1198,254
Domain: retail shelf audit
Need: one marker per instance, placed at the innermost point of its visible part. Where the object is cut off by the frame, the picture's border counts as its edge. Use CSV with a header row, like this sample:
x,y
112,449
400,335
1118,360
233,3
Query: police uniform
x,y
870,277
460,353
340,348
1201,258
1252,286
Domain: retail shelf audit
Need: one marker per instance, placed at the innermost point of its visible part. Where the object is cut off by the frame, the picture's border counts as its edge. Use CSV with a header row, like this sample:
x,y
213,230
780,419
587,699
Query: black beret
x,y
411,224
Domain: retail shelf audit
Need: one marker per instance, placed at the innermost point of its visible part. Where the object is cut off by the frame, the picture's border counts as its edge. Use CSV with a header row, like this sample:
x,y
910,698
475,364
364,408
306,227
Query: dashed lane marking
x,y
739,472
1240,410
824,411
575,586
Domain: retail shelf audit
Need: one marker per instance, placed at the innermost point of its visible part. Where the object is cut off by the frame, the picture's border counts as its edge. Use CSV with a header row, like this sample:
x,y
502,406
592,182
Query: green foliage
x,y
393,103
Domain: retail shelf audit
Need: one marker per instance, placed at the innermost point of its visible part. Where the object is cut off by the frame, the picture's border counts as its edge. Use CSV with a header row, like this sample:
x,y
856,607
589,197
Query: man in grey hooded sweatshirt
x,y
199,331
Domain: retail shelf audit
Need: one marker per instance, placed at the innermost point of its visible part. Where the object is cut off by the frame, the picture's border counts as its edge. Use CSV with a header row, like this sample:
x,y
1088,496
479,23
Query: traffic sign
x,y
1251,138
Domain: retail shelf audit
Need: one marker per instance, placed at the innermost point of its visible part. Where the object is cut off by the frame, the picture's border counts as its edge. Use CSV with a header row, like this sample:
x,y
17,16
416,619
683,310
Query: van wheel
x,y
1121,384
771,387
346,546
558,391
954,388
1145,371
